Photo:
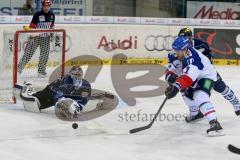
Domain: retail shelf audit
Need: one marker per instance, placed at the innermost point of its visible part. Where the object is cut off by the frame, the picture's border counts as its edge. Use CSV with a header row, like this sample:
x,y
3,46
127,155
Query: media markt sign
x,y
213,10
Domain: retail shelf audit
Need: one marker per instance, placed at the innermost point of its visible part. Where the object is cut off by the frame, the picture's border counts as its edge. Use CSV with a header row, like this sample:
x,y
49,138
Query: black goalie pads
x,y
45,97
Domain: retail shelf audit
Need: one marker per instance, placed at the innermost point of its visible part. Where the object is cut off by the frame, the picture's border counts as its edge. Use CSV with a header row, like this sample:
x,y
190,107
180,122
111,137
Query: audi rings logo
x,y
159,42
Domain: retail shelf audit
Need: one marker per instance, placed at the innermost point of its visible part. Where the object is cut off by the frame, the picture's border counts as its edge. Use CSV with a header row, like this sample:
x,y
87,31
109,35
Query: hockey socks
x,y
194,114
209,112
229,95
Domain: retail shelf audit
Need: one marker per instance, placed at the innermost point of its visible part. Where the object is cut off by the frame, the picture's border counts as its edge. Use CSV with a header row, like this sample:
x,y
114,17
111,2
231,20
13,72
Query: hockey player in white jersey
x,y
195,79
220,85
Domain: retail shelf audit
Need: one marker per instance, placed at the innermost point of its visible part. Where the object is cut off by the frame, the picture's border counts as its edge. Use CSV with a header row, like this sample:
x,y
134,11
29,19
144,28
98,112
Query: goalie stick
x,y
233,149
151,123
101,95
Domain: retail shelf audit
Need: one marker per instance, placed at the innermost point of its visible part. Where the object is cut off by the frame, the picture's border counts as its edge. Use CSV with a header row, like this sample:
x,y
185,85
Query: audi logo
x,y
159,42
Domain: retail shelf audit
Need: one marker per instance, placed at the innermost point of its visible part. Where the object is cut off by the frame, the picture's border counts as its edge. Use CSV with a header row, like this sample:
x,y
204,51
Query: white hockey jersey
x,y
193,67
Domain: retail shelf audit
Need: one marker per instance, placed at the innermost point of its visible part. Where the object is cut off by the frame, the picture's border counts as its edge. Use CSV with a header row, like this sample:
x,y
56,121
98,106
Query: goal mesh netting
x,y
30,56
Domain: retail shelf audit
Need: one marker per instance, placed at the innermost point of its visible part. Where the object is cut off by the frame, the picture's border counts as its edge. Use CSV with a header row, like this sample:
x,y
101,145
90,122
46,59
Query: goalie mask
x,y
76,73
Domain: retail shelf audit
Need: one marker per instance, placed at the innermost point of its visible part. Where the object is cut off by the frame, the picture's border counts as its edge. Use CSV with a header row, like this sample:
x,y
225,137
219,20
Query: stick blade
x,y
139,129
233,149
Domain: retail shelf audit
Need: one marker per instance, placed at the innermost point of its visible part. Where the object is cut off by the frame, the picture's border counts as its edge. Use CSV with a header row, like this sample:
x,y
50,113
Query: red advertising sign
x,y
224,43
123,44
213,10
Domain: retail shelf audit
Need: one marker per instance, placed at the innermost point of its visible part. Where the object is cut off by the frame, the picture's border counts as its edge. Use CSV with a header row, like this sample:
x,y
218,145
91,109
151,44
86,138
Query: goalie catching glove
x,y
68,108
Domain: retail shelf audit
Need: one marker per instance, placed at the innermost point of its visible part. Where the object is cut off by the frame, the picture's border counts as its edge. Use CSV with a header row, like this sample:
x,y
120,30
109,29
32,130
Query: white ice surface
x,y
29,136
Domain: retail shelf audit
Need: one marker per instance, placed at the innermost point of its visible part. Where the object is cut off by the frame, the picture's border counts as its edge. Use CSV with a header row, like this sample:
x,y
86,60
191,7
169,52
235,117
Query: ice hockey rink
x,y
25,135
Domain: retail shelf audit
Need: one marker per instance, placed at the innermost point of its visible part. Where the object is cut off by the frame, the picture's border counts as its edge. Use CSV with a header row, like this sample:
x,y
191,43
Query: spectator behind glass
x,y
27,8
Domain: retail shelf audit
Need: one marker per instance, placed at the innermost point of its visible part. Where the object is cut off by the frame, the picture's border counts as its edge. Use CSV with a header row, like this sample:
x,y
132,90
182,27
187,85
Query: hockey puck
x,y
74,125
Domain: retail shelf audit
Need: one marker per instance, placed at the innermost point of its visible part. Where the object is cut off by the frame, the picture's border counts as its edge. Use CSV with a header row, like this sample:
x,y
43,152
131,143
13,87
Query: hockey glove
x,y
68,108
170,77
172,90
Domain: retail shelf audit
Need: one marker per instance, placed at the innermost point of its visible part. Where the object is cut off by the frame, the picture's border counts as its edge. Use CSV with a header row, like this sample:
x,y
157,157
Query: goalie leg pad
x,y
30,102
32,106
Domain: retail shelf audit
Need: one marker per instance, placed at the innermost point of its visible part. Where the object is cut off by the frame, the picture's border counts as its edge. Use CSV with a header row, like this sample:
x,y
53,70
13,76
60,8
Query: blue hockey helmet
x,y
181,43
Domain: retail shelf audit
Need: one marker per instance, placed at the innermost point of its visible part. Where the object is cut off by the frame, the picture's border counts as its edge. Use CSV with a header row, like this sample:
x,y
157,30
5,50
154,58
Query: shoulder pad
x,y
171,58
193,59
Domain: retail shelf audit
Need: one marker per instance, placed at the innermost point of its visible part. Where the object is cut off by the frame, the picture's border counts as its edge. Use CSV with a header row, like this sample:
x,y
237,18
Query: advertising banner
x,y
127,20
225,43
69,7
106,40
138,41
213,10
59,7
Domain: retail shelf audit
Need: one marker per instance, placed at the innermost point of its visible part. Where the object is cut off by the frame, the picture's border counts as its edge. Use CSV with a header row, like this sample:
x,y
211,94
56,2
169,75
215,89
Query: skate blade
x,y
216,133
194,121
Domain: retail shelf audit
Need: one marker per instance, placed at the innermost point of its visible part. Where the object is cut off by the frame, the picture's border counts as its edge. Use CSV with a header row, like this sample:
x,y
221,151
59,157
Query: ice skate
x,y
215,129
195,118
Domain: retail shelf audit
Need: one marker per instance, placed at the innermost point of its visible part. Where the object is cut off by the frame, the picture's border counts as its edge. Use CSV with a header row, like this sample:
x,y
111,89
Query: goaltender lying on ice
x,y
71,95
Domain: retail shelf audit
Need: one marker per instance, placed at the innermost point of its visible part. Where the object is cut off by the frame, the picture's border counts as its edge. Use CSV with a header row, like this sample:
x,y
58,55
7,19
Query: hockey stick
x,y
151,123
233,149
102,95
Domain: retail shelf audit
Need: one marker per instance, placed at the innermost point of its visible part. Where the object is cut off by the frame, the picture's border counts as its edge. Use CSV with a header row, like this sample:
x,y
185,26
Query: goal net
x,y
30,56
